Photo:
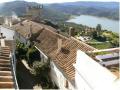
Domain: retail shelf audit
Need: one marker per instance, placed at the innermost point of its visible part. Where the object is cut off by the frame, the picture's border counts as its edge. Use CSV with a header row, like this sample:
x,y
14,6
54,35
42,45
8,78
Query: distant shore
x,y
92,21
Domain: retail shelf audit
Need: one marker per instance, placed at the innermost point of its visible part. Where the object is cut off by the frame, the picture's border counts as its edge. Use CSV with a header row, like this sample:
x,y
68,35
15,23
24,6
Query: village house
x,y
67,71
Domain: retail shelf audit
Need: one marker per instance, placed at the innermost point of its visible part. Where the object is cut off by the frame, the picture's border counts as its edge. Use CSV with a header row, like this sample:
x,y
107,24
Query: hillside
x,y
101,9
62,12
19,7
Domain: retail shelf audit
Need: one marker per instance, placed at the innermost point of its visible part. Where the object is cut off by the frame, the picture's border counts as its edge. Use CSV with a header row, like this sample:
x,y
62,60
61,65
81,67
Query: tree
x,y
98,29
21,50
40,68
115,42
32,55
94,34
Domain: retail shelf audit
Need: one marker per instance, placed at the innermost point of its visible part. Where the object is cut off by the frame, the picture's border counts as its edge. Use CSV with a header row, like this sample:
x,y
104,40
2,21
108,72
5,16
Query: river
x,y
92,21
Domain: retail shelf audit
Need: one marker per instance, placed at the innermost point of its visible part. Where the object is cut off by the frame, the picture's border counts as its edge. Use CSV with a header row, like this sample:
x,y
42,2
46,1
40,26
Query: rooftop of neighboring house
x,y
6,77
47,42
108,56
24,27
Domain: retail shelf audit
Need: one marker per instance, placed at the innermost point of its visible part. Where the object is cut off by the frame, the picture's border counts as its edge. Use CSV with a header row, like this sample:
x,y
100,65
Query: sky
x,y
55,1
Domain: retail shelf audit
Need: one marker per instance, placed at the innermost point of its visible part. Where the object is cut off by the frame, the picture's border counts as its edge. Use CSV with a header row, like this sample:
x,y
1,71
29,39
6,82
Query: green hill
x,y
62,12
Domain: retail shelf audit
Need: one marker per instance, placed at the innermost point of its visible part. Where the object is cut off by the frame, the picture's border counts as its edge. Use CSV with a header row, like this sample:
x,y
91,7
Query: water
x,y
92,21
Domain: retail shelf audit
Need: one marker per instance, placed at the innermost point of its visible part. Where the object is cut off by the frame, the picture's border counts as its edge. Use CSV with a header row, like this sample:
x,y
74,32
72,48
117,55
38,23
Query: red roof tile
x,y
47,42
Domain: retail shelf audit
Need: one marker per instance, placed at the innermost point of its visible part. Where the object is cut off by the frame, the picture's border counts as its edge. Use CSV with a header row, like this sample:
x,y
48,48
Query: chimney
x,y
10,23
59,45
2,40
71,31
5,20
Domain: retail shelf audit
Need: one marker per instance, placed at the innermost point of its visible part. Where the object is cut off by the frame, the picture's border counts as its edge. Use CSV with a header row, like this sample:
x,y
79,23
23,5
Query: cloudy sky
x,y
55,1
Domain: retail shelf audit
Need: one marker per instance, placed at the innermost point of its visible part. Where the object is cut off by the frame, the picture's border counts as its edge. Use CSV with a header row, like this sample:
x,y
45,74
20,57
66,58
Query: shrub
x,y
21,50
32,55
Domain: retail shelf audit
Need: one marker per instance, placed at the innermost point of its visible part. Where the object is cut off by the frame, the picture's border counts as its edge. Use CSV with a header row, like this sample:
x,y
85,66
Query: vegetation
x,y
104,45
100,9
102,38
62,12
108,39
41,72
98,28
21,50
97,53
32,55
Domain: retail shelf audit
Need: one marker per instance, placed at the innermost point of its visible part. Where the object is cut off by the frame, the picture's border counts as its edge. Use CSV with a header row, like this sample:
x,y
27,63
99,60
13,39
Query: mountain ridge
x,y
62,11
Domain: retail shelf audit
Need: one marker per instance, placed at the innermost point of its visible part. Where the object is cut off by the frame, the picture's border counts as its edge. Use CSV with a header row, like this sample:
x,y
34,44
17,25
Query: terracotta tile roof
x,y
24,27
47,42
67,56
6,78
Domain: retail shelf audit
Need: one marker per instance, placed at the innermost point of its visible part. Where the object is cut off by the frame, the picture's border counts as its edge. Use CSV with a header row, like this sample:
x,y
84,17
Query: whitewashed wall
x,y
56,75
90,75
8,33
58,78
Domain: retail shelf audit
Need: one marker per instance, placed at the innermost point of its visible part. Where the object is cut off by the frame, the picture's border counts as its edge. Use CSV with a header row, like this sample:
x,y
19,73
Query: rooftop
x,y
109,57
47,42
24,27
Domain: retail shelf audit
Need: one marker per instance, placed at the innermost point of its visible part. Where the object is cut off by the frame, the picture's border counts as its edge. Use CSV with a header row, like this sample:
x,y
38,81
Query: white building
x,y
90,75
8,33
70,69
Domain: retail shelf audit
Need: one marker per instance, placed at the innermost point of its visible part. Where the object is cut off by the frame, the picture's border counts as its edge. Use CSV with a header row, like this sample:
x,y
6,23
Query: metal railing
x,y
13,62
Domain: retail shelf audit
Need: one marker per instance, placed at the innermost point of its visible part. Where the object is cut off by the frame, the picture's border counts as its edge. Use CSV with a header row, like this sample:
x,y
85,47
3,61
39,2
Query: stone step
x,y
6,79
5,69
4,57
5,48
5,65
5,54
4,61
5,73
6,85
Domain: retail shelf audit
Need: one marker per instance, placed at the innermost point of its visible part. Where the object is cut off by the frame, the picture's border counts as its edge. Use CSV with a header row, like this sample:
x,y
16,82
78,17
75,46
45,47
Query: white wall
x,y
56,75
8,33
58,78
90,75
